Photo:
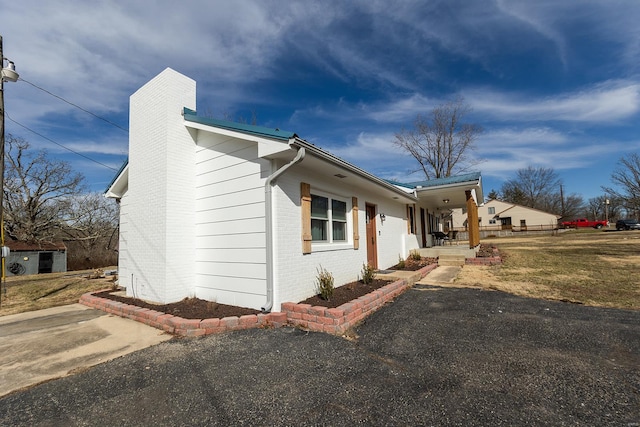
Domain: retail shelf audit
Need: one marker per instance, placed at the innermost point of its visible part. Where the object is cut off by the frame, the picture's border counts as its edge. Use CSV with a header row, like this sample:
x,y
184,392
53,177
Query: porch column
x,y
472,220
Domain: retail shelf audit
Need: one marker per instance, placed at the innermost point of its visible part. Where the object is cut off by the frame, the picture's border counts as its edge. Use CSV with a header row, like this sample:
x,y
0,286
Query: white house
x,y
245,215
499,215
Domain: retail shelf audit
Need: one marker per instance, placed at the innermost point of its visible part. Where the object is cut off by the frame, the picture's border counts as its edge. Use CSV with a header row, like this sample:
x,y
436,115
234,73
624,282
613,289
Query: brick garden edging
x,y
491,260
315,318
338,320
183,327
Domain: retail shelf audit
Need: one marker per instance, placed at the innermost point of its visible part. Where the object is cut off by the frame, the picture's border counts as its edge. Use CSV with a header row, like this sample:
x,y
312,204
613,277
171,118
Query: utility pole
x,y
2,144
6,74
3,285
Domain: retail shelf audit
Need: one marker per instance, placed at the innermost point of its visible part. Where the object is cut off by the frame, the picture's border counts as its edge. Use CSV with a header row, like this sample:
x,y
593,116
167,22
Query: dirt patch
x,y
188,308
483,277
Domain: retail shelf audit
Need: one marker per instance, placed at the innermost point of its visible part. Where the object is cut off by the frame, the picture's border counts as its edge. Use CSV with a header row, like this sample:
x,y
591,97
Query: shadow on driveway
x,y
436,356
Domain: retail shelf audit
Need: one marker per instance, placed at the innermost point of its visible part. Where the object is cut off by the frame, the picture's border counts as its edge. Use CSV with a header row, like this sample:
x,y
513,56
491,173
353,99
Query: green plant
x,y
401,262
415,255
324,283
368,273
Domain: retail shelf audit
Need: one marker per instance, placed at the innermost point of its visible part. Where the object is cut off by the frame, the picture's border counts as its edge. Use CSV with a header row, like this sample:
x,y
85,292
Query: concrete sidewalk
x,y
41,345
444,274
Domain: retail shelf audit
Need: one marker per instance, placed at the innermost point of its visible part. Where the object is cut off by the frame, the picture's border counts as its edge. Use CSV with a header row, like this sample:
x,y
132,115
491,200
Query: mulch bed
x,y
188,308
196,308
346,293
411,264
486,251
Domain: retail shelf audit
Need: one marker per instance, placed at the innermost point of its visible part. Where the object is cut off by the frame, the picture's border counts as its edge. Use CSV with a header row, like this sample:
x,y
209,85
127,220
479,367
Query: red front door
x,y
372,253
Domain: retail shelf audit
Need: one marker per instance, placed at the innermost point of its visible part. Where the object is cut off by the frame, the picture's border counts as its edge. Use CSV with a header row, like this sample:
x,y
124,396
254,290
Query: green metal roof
x,y
191,116
124,165
457,179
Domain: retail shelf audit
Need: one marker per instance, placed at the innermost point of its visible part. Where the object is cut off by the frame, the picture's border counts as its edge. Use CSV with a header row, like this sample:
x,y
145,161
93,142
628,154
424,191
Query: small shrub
x,y
401,262
415,255
324,282
368,273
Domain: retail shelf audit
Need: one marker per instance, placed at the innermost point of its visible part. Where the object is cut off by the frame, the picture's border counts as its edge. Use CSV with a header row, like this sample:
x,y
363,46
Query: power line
x,y
58,144
74,105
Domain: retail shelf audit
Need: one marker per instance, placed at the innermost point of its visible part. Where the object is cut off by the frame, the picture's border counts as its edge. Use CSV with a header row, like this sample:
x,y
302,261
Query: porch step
x,y
451,259
437,251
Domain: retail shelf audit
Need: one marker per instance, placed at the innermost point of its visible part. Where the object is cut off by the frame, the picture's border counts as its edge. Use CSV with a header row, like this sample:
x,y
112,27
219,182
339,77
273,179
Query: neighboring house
x,y
499,215
246,215
35,258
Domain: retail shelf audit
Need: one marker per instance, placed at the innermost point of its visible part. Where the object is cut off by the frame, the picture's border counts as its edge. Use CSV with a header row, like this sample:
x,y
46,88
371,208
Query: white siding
x,y
230,221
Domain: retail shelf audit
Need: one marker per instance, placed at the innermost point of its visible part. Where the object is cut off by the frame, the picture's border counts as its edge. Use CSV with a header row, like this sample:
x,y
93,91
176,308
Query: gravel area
x,y
435,356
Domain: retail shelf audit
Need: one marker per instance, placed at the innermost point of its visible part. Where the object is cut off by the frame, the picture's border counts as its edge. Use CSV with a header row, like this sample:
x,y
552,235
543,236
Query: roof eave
x,y
318,152
120,183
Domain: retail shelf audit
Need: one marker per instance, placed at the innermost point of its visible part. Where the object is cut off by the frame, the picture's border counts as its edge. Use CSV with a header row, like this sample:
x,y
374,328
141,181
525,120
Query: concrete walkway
x,y
444,274
42,345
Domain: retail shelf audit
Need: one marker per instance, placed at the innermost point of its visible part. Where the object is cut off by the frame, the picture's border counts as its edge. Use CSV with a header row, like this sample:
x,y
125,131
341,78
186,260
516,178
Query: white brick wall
x,y
296,273
193,220
157,241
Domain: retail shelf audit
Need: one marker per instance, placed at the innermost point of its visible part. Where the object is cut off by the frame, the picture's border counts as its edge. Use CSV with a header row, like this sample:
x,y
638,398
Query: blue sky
x,y
554,83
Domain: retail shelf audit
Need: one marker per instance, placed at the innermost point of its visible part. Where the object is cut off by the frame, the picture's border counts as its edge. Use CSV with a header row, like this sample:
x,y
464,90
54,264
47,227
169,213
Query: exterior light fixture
x,y
9,73
382,217
445,201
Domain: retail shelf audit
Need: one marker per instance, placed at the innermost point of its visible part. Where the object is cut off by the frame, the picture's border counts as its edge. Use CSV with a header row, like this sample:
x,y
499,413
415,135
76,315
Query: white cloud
x,y
606,102
508,138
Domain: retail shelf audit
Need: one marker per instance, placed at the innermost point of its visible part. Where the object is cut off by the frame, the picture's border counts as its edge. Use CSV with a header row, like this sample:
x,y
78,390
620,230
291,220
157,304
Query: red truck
x,y
583,222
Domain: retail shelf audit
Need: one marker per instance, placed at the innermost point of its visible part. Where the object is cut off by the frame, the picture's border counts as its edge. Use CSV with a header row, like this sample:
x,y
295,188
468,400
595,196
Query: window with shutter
x,y
324,218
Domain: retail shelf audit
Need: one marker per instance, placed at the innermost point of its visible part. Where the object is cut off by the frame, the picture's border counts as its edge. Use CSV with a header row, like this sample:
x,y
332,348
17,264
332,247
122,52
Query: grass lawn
x,y
593,267
35,292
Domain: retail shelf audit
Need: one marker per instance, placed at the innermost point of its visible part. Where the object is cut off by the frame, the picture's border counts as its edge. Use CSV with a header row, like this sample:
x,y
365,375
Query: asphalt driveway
x,y
436,356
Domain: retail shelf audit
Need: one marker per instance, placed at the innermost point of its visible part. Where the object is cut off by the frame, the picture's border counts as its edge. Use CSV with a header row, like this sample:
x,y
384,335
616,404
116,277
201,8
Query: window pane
x,y
319,230
492,210
339,231
339,210
319,207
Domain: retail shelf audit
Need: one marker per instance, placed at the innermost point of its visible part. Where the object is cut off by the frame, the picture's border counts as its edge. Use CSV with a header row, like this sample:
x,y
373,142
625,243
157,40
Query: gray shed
x,y
35,258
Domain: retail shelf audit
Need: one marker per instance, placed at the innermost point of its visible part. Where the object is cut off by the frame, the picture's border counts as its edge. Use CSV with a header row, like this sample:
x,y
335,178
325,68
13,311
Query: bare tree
x,y
493,195
89,231
37,191
532,187
571,208
539,188
626,179
441,141
598,208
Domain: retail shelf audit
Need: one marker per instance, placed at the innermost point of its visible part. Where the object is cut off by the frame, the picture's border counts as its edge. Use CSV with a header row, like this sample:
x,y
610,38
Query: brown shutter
x,y
305,207
408,221
354,213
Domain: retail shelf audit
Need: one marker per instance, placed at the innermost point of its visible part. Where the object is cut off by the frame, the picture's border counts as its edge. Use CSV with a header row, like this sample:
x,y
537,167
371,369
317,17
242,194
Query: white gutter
x,y
270,243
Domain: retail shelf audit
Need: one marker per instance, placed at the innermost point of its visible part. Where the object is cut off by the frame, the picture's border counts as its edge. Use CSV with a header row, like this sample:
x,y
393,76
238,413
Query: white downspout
x,y
266,308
